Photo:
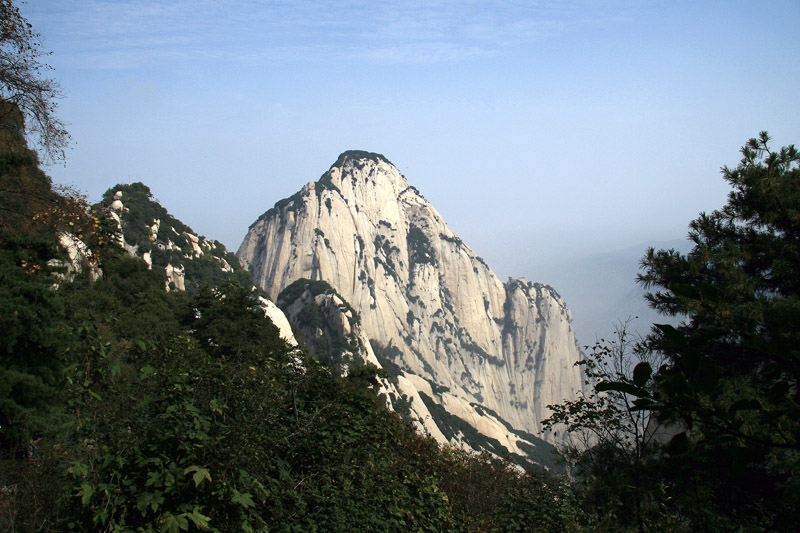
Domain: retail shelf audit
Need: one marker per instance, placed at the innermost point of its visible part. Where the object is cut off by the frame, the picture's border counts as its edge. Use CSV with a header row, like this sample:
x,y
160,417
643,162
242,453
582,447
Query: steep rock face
x,y
332,333
278,318
423,295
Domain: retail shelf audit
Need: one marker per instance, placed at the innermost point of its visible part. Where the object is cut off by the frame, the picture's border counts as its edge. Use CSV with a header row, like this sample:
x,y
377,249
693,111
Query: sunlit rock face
x,y
332,333
433,305
278,318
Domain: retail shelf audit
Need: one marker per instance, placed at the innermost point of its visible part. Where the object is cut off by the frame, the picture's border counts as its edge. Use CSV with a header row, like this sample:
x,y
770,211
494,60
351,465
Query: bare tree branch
x,y
24,83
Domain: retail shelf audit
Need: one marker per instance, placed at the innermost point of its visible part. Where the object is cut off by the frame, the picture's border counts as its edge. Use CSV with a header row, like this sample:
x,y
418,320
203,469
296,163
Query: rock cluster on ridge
x,y
146,230
427,302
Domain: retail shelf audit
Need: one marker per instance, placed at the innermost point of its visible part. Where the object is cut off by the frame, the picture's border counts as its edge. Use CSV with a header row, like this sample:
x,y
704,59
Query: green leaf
x,y
621,386
200,520
642,373
199,475
153,478
173,524
85,492
154,500
216,407
77,469
245,499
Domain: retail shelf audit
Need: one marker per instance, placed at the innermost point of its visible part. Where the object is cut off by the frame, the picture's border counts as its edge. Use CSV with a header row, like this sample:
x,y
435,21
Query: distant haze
x,y
602,293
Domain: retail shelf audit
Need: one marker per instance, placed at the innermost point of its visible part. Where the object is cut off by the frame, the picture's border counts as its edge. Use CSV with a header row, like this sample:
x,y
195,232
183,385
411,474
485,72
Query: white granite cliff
x,y
421,292
333,334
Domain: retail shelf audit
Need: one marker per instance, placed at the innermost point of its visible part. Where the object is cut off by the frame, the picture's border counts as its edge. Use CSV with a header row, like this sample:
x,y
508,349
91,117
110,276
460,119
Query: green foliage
x,y
173,413
613,446
319,324
193,429
726,396
455,240
316,287
732,377
293,203
608,412
31,321
229,325
186,428
25,190
172,244
359,155
420,250
490,495
141,211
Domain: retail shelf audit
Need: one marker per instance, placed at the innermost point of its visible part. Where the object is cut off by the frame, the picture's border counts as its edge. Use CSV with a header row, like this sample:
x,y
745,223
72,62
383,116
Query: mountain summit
x,y
429,305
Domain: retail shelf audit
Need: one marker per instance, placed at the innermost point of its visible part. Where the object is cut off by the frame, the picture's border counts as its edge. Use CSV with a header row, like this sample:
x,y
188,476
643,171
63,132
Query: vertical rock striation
x,y
432,306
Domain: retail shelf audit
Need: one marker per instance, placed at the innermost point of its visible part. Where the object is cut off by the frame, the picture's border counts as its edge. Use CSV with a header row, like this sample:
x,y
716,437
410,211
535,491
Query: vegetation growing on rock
x,y
420,250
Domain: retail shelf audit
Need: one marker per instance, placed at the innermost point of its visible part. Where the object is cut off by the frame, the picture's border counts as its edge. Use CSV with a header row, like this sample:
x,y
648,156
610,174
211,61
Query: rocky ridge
x,y
476,347
146,230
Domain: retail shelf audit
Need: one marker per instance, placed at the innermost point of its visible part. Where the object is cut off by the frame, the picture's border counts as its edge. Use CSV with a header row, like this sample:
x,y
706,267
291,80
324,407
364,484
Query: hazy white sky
x,y
539,130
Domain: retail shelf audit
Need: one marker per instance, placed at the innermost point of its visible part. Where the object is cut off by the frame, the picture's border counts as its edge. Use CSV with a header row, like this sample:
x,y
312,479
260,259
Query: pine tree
x,y
731,380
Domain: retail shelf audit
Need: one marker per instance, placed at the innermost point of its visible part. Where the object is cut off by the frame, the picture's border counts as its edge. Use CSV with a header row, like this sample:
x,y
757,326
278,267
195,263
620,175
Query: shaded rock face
x,y
332,333
330,326
420,290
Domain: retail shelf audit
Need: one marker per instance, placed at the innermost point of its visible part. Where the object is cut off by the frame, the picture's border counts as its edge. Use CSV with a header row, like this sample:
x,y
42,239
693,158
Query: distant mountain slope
x,y
425,298
601,291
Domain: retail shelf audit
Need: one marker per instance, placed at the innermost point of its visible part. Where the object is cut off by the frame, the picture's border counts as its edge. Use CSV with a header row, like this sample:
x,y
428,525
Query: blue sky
x,y
541,131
